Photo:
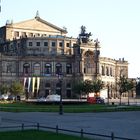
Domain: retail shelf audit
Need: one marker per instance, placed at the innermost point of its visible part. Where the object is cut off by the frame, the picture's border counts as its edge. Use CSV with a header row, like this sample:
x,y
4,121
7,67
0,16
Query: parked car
x,y
42,99
11,97
53,97
3,97
99,100
95,100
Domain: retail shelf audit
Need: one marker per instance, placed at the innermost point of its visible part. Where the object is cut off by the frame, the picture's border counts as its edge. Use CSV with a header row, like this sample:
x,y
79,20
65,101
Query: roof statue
x,y
83,36
83,29
96,43
96,51
37,14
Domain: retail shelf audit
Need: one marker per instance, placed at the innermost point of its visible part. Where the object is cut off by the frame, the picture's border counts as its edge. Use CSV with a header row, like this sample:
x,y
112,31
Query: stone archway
x,y
89,64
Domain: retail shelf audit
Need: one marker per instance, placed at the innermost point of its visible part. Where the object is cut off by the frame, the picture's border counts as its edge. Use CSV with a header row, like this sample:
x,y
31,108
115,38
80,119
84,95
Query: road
x,y
123,124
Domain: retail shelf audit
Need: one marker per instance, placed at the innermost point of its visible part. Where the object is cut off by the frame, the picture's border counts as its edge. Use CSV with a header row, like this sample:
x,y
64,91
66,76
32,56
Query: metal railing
x,y
58,130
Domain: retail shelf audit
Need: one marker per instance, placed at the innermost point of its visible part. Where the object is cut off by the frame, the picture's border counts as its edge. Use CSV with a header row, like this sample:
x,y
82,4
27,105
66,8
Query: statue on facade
x,y
37,14
96,51
83,29
96,43
83,36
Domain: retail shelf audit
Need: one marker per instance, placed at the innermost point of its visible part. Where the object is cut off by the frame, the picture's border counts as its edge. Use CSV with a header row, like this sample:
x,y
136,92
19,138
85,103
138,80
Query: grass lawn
x,y
36,135
79,108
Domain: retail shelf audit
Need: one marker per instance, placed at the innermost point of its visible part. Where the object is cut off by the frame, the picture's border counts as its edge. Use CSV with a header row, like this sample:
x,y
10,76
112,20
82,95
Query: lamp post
x,y
60,78
108,94
97,53
137,87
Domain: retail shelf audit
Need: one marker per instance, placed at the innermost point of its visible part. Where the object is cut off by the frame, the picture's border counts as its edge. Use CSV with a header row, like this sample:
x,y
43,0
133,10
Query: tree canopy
x,y
4,88
87,86
97,85
125,85
17,88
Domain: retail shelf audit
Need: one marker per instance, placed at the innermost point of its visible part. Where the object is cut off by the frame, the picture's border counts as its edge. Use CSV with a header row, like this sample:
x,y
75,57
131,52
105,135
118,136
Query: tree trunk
x,y
120,98
128,98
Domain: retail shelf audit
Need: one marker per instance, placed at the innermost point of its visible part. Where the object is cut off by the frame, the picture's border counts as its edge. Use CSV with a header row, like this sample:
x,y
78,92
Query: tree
x,y
97,85
124,85
129,87
137,87
4,88
84,87
88,86
78,88
17,88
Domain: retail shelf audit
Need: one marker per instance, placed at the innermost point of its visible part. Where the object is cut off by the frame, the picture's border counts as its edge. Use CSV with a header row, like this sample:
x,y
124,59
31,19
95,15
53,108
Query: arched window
x,y
58,68
37,69
103,70
26,68
111,72
68,69
107,71
89,62
47,68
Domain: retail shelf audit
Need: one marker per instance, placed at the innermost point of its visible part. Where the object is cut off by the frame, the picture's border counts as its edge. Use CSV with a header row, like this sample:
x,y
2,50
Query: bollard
x,y
22,127
112,136
38,126
81,133
0,120
57,129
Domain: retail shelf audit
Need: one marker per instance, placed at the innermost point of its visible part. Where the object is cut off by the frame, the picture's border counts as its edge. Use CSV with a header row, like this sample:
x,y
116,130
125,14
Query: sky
x,y
116,23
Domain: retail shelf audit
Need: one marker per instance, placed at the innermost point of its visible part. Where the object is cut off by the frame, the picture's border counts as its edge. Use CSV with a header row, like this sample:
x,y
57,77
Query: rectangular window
x,y
45,43
68,44
30,44
60,44
16,34
37,43
53,44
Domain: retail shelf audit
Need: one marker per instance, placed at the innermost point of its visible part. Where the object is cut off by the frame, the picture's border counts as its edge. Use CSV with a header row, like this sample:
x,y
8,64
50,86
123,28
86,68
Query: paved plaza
x,y
123,124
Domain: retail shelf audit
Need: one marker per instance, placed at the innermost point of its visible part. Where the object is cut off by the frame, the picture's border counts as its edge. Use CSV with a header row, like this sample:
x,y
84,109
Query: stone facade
x,y
36,52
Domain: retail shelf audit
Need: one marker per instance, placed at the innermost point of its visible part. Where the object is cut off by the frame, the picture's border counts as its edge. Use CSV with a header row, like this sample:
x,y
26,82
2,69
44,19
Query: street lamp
x,y
108,90
137,86
97,53
60,78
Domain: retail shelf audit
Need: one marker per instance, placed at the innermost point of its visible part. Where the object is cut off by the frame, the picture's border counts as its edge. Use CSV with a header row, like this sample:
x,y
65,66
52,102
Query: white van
x,y
53,97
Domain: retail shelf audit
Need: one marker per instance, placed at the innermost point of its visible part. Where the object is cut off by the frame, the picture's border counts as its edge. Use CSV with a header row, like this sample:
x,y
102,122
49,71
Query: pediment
x,y
39,25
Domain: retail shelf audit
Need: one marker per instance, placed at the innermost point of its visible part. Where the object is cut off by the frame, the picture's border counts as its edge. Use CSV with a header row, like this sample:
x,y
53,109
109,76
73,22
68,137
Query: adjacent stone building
x,y
37,52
